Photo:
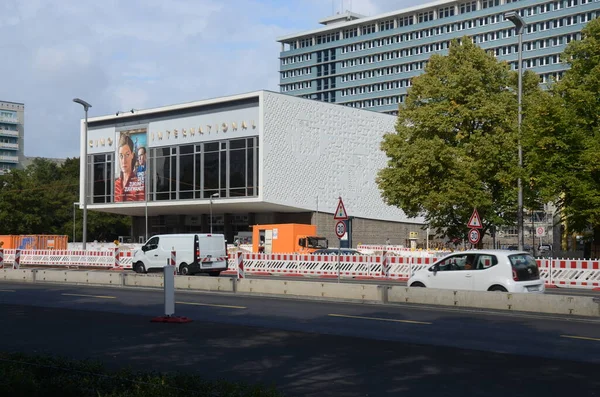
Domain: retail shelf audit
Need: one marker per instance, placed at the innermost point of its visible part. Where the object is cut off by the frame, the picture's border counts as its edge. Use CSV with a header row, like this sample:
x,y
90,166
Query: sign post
x,y
474,225
340,229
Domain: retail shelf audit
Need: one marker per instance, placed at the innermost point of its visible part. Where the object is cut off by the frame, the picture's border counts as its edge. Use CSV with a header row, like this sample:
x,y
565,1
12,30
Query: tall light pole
x,y
519,23
86,107
74,208
211,218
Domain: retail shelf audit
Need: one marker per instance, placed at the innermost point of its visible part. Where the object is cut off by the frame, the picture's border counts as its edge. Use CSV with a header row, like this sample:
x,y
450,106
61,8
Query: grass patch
x,y
32,376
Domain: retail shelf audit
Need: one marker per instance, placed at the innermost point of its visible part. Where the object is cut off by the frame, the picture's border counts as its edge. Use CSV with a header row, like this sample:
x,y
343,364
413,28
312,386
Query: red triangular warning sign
x,y
340,212
475,221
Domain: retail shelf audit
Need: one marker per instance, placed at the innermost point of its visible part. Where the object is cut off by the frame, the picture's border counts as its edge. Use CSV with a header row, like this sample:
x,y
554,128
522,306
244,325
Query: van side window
x,y
152,244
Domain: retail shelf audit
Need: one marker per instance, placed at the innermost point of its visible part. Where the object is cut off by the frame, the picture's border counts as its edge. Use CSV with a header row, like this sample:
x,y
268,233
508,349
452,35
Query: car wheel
x,y
418,284
140,268
497,288
184,269
214,274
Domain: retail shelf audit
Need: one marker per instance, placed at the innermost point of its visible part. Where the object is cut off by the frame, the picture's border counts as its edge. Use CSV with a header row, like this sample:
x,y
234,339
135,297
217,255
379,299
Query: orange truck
x,y
286,238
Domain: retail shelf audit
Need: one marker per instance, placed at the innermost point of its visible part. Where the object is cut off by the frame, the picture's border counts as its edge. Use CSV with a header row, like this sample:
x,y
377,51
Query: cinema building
x,y
228,163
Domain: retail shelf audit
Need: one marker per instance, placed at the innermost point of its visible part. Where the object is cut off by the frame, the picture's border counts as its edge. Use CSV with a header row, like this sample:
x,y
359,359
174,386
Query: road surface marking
x,y
91,296
381,319
7,290
208,304
580,337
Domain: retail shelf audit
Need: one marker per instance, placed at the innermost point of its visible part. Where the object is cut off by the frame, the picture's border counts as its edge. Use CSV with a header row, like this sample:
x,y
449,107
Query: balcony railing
x,y
9,133
10,120
9,159
14,146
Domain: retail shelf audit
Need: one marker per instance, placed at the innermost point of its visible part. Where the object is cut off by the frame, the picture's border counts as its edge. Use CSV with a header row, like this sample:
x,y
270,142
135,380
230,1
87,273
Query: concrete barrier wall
x,y
20,275
538,303
222,284
356,292
143,280
79,277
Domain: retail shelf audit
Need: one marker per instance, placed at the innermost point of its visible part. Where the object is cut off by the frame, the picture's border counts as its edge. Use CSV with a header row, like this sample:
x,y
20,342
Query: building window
x,y
405,21
468,7
102,184
490,3
368,29
386,25
446,12
350,33
425,16
163,163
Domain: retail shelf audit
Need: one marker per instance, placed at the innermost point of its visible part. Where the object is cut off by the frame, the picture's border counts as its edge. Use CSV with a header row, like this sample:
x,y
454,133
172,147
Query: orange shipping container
x,y
35,241
284,238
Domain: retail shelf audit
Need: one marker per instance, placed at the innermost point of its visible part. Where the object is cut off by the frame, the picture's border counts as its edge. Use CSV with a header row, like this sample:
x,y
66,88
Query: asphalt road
x,y
309,348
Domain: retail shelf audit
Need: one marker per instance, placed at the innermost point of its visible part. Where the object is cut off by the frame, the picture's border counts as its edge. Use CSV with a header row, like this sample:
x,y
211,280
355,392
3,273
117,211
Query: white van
x,y
194,253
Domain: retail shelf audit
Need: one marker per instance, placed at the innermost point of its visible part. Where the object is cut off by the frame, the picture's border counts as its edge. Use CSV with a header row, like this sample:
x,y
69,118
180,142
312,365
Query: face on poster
x,y
131,165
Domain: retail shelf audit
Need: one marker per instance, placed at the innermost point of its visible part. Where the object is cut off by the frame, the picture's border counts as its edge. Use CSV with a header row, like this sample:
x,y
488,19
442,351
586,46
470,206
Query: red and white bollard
x,y
174,262
17,261
1,258
385,267
117,258
240,266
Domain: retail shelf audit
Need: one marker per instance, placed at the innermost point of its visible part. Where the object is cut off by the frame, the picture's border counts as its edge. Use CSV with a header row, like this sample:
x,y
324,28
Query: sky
x,y
136,54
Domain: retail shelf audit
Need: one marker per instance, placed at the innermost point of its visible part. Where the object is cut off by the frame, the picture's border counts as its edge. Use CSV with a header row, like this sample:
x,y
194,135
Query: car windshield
x,y
524,267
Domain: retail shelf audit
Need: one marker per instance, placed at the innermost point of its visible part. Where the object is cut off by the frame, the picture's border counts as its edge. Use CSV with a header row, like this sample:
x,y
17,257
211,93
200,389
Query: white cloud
x,y
123,54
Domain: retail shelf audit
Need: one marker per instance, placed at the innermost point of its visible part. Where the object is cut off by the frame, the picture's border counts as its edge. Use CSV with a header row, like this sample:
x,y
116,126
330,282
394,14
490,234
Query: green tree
x,y
39,200
455,145
564,136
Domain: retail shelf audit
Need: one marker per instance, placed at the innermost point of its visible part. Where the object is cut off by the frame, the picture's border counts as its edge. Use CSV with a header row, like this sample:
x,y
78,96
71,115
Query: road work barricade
x,y
570,273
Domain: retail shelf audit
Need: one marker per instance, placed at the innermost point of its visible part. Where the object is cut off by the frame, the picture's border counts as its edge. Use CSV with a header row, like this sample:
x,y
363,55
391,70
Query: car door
x,y
153,252
485,272
453,273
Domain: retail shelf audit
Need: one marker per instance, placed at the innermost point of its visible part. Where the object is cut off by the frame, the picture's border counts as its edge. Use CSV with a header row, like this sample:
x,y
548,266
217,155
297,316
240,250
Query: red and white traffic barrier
x,y
173,261
117,259
17,260
385,269
240,266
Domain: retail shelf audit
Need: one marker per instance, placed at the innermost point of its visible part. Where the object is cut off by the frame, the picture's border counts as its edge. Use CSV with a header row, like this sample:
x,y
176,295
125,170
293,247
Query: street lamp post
x,y
74,208
86,107
519,23
211,217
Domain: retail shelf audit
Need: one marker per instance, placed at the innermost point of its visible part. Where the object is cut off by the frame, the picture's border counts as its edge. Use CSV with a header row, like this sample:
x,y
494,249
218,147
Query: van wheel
x,y
140,268
497,288
184,269
418,284
214,274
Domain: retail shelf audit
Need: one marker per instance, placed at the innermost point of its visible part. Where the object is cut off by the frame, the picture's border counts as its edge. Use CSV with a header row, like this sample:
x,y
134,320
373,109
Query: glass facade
x,y
187,172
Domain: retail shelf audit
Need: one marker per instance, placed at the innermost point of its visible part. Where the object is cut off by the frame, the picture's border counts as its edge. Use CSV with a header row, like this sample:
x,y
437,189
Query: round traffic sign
x,y
340,229
540,231
474,236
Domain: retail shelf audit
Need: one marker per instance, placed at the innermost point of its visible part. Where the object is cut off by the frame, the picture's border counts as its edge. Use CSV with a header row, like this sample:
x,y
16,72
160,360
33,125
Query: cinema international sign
x,y
183,132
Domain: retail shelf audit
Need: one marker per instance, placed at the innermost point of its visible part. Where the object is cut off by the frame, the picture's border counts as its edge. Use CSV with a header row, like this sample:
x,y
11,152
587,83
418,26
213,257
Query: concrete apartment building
x,y
368,62
12,135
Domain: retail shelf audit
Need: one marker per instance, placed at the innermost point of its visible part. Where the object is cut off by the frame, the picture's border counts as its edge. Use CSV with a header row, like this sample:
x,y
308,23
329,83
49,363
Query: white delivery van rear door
x,y
213,252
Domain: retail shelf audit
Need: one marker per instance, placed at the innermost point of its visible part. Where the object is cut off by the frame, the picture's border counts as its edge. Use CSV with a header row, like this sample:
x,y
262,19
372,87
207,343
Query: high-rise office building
x,y
11,135
368,62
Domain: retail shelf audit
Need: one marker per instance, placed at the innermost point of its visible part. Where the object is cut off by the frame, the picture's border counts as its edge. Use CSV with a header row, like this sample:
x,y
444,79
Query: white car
x,y
482,270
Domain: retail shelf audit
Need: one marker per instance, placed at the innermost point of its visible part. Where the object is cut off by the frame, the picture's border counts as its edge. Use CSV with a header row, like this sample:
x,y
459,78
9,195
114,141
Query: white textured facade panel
x,y
101,140
313,152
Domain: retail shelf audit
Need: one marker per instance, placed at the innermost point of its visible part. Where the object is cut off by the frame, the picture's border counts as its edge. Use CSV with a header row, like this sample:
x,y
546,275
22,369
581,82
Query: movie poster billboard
x,y
130,177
